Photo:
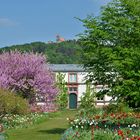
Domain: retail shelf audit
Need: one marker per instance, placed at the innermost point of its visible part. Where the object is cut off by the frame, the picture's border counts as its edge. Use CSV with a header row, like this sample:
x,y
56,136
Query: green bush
x,y
10,103
62,100
21,106
62,97
87,103
118,107
136,110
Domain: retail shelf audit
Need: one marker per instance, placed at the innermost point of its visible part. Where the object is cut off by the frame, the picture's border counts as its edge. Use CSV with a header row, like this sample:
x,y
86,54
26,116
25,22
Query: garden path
x,y
51,129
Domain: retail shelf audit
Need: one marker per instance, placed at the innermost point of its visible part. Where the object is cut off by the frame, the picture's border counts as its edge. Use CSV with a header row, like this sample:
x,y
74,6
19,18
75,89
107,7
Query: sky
x,y
25,21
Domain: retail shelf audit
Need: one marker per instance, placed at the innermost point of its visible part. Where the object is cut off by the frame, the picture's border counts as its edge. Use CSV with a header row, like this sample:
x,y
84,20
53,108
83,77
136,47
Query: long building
x,y
76,84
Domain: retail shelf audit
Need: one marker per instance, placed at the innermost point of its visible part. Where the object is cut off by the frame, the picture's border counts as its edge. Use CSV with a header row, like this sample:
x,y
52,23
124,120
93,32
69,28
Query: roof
x,y
66,68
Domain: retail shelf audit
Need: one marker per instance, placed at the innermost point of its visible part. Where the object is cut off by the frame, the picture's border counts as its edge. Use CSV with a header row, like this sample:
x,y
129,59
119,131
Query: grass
x,y
51,129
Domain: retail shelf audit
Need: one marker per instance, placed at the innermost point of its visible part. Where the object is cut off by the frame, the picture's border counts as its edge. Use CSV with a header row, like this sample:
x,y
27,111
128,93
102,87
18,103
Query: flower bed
x,y
116,125
110,121
18,121
99,134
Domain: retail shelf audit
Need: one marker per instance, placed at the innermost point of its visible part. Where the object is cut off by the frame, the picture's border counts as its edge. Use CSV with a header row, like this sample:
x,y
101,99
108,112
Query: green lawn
x,y
51,129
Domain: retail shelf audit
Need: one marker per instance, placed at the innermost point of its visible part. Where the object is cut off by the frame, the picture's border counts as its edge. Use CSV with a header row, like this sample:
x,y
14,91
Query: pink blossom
x,y
26,73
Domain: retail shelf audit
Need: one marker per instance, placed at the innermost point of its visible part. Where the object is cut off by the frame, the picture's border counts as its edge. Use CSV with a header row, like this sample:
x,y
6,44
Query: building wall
x,y
81,86
81,90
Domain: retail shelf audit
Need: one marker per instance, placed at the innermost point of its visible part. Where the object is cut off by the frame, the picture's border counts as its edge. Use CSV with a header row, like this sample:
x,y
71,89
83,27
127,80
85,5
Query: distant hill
x,y
67,52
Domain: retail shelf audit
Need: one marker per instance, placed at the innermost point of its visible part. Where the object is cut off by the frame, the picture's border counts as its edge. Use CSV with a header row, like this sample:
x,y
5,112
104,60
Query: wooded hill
x,y
67,52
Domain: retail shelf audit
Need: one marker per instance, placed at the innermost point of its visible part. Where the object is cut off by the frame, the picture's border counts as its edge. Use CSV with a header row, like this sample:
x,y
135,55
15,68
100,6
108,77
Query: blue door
x,y
72,101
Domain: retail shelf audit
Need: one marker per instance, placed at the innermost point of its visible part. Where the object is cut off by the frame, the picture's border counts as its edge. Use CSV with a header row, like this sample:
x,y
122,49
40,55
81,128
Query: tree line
x,y
67,52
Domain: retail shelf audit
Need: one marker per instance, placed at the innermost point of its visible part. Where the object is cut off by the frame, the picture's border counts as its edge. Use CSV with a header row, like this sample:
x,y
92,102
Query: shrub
x,y
21,106
10,103
62,97
62,100
87,103
136,110
114,108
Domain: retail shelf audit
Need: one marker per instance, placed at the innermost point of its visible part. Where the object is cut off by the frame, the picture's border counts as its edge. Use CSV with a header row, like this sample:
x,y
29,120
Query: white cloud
x,y
6,22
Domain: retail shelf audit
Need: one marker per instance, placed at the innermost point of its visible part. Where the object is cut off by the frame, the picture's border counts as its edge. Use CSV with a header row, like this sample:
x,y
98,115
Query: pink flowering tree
x,y
27,74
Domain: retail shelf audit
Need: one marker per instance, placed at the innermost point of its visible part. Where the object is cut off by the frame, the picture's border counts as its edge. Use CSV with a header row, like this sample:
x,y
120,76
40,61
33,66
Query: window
x,y
72,88
100,98
73,78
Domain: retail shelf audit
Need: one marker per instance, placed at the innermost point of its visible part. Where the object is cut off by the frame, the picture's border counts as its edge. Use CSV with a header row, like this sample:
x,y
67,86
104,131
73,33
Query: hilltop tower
x,y
59,38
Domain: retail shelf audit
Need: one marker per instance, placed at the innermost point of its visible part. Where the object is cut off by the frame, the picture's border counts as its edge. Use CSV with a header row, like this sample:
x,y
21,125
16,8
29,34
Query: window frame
x,y
69,78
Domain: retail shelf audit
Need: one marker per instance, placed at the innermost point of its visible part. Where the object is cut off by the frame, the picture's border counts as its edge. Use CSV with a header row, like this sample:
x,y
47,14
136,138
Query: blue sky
x,y
25,21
